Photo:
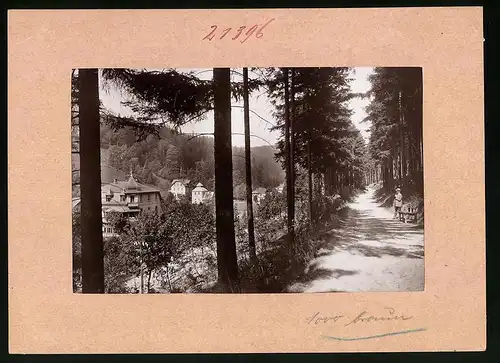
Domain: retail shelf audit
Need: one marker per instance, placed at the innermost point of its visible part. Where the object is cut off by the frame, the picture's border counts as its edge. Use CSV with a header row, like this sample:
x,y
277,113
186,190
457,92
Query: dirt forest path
x,y
370,251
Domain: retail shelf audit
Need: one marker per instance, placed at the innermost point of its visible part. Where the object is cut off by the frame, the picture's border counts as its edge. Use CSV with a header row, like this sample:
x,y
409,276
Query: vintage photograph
x,y
247,180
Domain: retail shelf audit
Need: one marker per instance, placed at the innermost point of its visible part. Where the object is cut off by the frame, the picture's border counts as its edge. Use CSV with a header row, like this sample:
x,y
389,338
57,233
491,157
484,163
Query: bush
x,y
172,246
77,252
278,266
119,265
270,220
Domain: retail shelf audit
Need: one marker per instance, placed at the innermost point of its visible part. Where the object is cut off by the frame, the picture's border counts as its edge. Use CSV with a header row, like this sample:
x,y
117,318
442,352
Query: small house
x,y
200,194
181,187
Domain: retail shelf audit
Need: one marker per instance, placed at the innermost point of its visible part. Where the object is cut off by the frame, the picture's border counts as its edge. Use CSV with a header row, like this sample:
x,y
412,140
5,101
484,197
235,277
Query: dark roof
x,y
115,207
141,188
132,184
185,182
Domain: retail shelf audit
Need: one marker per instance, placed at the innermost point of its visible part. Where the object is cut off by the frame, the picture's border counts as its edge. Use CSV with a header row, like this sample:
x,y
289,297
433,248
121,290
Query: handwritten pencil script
x,y
363,317
242,33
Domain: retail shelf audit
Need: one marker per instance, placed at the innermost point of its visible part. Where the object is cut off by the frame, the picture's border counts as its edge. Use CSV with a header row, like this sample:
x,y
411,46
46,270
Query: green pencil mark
x,y
376,336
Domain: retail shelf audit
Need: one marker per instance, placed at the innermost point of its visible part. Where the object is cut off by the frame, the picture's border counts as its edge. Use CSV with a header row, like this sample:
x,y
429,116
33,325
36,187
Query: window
x,y
156,208
149,208
108,198
149,198
132,199
122,198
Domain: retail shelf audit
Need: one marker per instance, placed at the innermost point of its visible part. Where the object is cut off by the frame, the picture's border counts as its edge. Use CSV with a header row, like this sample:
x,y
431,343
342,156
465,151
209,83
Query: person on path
x,y
398,203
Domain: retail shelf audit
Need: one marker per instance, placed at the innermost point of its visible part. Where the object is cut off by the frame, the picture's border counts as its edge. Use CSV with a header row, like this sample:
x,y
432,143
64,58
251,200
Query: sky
x,y
259,103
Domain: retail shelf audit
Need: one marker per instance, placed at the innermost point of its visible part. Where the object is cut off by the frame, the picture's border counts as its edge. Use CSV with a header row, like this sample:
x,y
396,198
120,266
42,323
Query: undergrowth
x,y
285,261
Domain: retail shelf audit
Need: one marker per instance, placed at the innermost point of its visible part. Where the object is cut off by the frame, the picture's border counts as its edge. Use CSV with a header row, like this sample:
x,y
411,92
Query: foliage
x,y
395,113
270,220
77,251
322,128
119,264
161,97
157,241
118,220
240,191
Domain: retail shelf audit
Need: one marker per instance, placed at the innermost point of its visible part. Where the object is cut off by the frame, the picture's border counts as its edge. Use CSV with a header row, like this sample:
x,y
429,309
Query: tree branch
x,y
233,133
256,114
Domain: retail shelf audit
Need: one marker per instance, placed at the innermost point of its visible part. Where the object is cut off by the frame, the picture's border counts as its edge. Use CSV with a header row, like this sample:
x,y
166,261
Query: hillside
x,y
108,173
157,161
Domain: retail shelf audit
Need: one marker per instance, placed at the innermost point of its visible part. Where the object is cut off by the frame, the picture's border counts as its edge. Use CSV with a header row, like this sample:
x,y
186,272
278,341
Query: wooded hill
x,y
159,160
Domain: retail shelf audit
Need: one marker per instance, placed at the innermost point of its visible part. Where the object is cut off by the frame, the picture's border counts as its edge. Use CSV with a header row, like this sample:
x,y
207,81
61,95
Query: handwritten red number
x,y
249,33
225,33
239,32
259,33
211,35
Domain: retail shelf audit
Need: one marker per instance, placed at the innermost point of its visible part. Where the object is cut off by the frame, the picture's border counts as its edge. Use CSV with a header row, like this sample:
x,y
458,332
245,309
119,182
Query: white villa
x,y
200,194
181,187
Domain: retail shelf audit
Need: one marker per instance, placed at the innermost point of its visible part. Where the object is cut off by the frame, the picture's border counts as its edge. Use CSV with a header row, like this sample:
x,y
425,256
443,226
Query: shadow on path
x,y
368,251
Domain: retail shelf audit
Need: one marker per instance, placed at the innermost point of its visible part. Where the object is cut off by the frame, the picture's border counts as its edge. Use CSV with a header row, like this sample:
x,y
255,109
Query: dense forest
x,y
396,140
320,156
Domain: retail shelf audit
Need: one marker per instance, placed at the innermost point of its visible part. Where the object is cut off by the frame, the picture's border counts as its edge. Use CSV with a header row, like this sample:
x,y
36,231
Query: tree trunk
x,y
318,184
248,169
90,183
168,279
309,180
417,133
226,247
326,181
149,280
401,142
288,163
386,176
292,149
407,157
336,178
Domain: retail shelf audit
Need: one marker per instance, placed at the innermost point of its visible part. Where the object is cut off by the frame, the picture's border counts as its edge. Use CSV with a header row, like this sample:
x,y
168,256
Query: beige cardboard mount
x,y
46,317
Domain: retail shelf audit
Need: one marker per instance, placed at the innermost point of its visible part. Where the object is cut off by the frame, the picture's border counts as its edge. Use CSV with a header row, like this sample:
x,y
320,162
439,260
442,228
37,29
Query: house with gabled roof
x,y
128,197
200,194
138,197
181,187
